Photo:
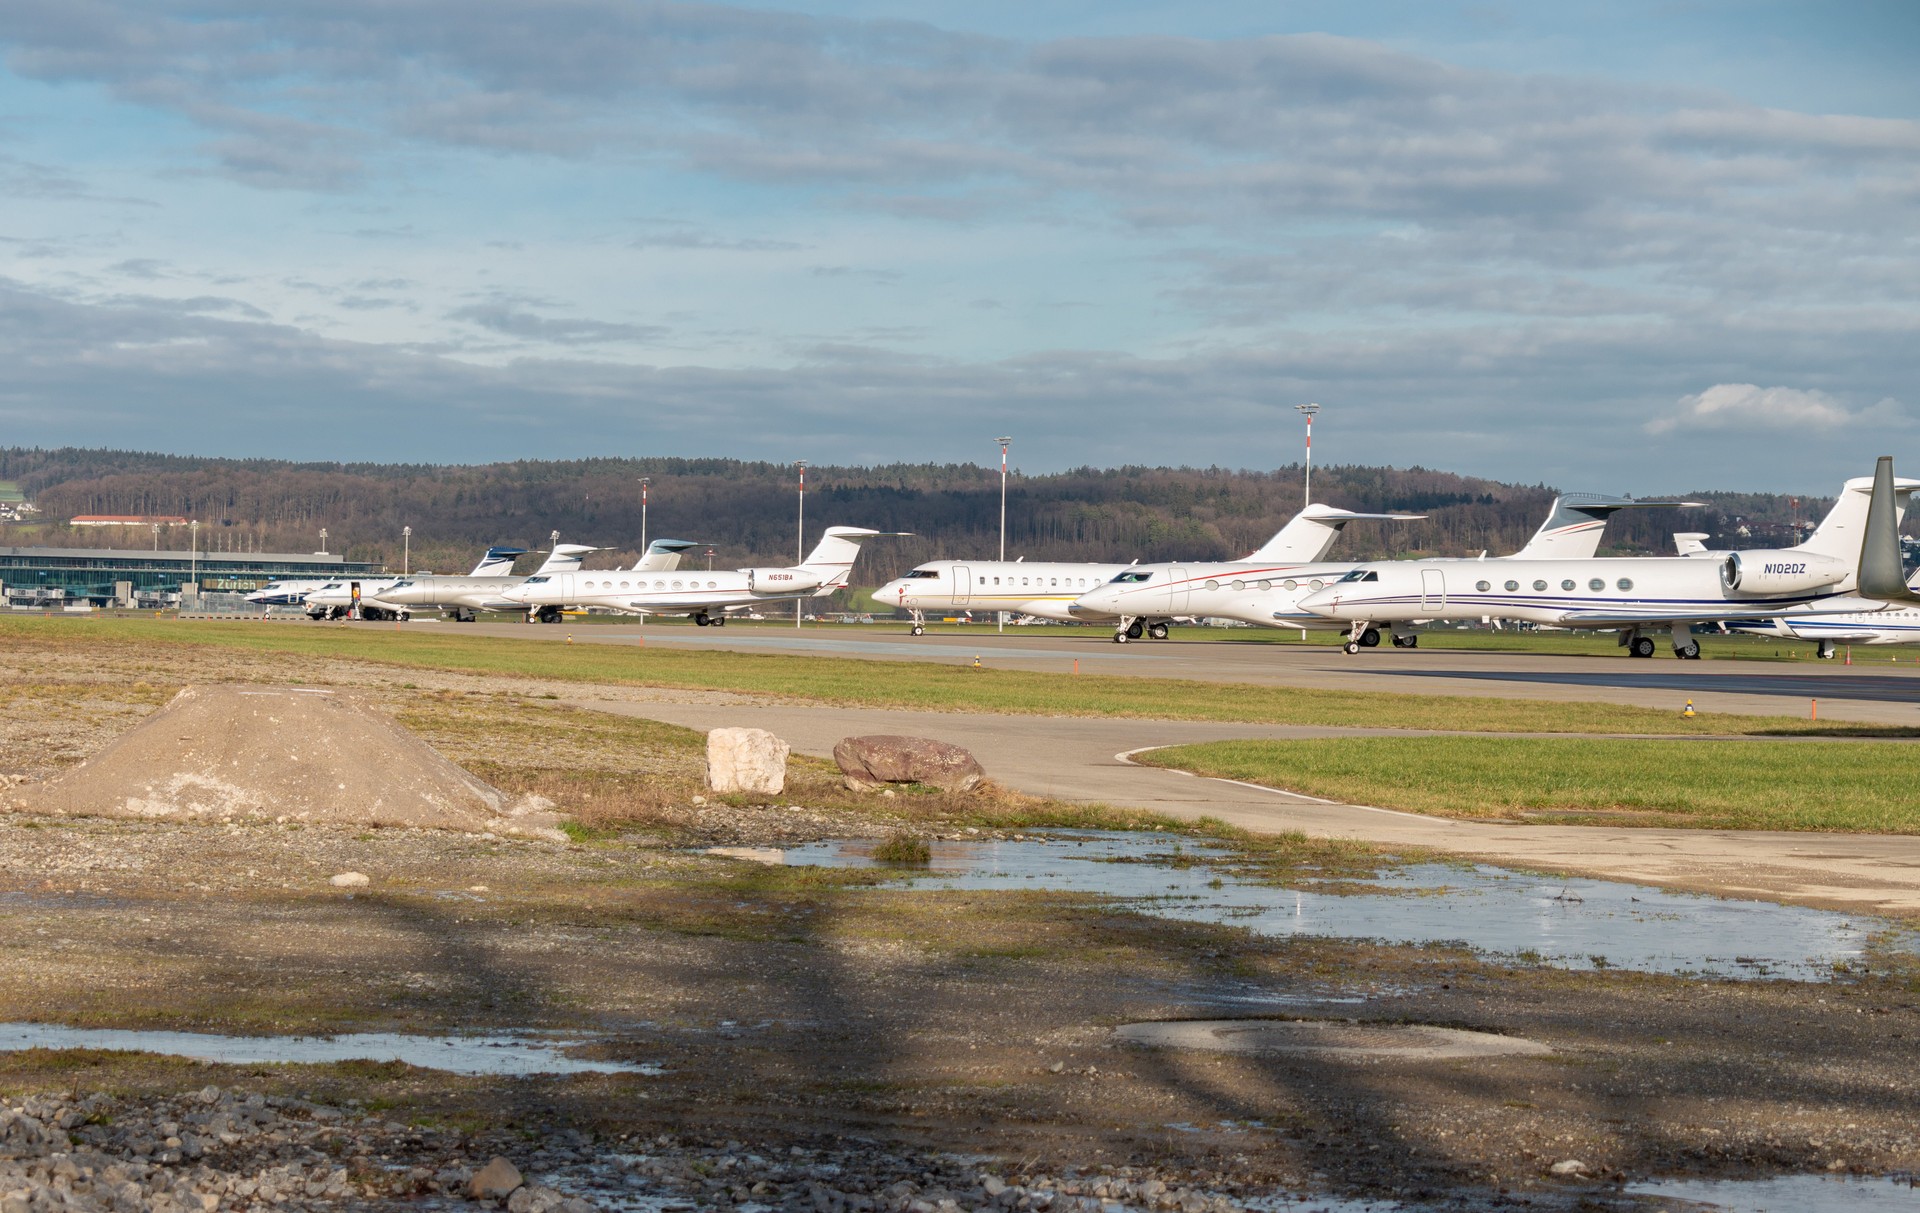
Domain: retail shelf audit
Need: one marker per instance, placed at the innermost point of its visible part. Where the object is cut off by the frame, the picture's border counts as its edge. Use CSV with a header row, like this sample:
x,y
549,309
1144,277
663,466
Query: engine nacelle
x,y
1763,572
783,581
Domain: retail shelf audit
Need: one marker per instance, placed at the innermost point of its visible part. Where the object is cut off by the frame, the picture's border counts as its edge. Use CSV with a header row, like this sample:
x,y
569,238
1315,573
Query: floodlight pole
x,y
406,551
1308,410
643,517
1000,617
800,536
193,559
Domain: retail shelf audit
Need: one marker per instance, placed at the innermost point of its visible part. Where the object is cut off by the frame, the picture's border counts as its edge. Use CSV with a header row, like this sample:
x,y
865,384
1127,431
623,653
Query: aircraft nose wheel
x,y
917,630
1120,637
1351,647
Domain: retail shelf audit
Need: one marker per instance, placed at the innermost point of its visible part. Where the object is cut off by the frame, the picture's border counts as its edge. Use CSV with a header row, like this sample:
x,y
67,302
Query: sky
x,y
1644,246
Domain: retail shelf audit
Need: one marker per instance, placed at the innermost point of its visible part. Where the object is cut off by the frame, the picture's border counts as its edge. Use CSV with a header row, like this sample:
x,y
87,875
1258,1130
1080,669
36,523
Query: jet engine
x,y
783,581
1780,572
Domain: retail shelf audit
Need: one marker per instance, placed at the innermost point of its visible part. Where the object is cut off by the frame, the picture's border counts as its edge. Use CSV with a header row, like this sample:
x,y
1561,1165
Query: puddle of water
x,y
1580,924
1784,1194
495,1053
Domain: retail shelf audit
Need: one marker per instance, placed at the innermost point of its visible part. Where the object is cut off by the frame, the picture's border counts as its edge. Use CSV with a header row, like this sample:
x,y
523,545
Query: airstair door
x,y
1433,590
962,585
1177,589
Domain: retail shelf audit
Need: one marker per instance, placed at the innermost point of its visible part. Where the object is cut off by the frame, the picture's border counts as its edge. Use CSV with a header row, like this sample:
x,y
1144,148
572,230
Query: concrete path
x,y
1082,759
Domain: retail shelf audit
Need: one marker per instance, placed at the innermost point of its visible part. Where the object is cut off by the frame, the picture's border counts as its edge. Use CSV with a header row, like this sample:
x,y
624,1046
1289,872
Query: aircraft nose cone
x,y
1326,602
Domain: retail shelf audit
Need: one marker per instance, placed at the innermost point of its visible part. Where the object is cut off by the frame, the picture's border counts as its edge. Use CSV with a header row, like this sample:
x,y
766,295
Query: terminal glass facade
x,y
91,574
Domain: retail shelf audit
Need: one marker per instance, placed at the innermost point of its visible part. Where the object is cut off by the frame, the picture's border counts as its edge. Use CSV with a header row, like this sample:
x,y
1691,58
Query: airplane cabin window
x,y
1540,585
1512,586
713,585
1317,584
1625,584
1483,586
1597,584
676,585
1239,585
623,585
1292,584
1213,585
1567,584
1263,585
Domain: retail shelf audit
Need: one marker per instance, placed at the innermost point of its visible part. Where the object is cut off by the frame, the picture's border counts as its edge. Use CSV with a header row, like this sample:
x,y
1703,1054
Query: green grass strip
x,y
923,686
1852,786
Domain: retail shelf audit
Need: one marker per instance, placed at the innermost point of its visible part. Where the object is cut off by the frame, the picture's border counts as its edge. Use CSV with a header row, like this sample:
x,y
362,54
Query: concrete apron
x,y
1084,759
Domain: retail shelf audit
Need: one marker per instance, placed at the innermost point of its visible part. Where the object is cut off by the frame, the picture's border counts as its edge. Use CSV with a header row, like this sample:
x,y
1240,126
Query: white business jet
x,y
706,596
1635,595
1271,597
294,593
463,598
1049,590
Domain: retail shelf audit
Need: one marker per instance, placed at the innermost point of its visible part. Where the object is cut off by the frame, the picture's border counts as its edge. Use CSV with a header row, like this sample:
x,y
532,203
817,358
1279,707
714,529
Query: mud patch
x,y
1328,1038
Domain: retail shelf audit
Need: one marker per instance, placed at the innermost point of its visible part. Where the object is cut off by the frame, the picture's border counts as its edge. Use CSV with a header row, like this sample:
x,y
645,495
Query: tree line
x,y
746,511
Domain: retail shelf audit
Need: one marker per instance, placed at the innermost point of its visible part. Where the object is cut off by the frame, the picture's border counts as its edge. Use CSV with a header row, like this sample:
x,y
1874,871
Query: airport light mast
x,y
1308,410
643,516
406,551
1000,617
800,536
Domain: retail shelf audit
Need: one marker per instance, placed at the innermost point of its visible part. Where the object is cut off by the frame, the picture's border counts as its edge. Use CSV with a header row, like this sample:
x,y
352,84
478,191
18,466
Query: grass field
x,y
1747,785
919,686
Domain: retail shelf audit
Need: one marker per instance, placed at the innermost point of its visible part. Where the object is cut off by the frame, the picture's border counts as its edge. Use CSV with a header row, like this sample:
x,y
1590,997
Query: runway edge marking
x,y
1125,758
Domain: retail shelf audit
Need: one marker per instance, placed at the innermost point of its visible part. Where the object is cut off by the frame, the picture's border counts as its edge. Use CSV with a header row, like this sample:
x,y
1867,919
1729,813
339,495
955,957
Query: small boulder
x,y
870,763
746,760
1571,1168
350,880
495,1180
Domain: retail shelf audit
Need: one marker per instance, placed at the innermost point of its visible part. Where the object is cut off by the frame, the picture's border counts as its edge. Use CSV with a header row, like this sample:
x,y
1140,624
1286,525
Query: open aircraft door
x,y
962,585
1433,590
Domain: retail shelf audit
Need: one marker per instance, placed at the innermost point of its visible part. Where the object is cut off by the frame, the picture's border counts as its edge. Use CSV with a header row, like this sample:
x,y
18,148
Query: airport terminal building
x,y
52,577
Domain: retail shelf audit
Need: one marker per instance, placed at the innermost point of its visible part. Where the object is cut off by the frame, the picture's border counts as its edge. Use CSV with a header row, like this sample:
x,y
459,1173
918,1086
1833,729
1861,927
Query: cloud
x,y
510,321
1746,406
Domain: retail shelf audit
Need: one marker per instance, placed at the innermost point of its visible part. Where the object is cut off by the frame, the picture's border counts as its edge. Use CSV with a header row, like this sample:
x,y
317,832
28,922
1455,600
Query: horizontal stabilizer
x,y
1308,534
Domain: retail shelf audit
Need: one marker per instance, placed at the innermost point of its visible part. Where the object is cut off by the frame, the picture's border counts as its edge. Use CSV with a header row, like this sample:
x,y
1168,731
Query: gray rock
x,y
498,1178
753,761
350,880
870,763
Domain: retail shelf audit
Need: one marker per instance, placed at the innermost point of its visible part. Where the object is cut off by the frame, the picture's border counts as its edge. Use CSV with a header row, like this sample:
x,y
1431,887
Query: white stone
x,y
351,880
1571,1166
746,760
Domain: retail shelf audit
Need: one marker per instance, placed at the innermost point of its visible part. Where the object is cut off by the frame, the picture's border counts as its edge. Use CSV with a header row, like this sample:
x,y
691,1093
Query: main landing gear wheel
x,y
701,619
1642,646
1370,639
1158,631
1406,642
718,621
1825,650
1691,651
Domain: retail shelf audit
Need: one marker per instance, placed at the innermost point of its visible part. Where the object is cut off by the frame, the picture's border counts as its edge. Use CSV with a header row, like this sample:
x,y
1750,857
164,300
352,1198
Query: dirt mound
x,y
230,752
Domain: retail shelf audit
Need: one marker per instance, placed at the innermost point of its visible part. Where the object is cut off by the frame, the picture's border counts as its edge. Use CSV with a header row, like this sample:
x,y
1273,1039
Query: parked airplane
x,y
294,593
1635,595
1048,590
463,598
1145,599
706,596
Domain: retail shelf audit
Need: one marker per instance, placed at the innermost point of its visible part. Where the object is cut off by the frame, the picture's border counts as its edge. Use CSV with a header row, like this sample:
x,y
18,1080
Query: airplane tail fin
x,y
1309,534
1573,526
1881,574
498,562
1843,530
663,555
564,558
832,558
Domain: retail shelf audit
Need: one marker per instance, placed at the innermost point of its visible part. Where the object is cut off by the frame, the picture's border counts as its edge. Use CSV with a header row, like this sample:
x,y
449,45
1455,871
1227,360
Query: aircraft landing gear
x,y
1158,631
717,621
700,618
1131,629
1357,636
1370,639
1685,647
1641,646
1823,650
1405,642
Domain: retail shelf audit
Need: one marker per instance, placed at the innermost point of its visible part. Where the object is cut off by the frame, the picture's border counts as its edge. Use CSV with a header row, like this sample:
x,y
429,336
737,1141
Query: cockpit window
x,y
1360,575
919,574
540,580
1132,577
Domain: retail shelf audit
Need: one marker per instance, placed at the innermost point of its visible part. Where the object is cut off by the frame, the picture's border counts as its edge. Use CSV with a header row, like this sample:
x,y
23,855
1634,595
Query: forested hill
x,y
746,510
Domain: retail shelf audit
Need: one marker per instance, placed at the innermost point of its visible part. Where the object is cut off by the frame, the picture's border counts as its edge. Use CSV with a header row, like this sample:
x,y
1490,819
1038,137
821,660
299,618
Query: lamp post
x,y
156,536
1308,410
643,516
1000,617
193,558
406,550
323,542
800,538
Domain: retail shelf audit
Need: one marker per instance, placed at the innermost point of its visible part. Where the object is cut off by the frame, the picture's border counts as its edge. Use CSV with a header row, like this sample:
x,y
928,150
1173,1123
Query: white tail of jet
x,y
564,558
1308,534
832,558
498,562
663,555
1573,525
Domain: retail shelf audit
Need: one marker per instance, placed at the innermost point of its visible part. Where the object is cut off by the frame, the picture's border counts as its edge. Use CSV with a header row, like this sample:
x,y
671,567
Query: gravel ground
x,y
825,1045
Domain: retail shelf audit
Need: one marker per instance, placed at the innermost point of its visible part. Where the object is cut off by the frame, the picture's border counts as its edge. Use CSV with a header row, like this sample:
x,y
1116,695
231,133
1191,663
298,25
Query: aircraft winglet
x,y
1881,574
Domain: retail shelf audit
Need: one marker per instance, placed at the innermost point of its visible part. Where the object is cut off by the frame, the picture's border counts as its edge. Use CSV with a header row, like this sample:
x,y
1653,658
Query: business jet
x,y
294,593
708,596
463,598
1145,600
1635,595
1049,590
